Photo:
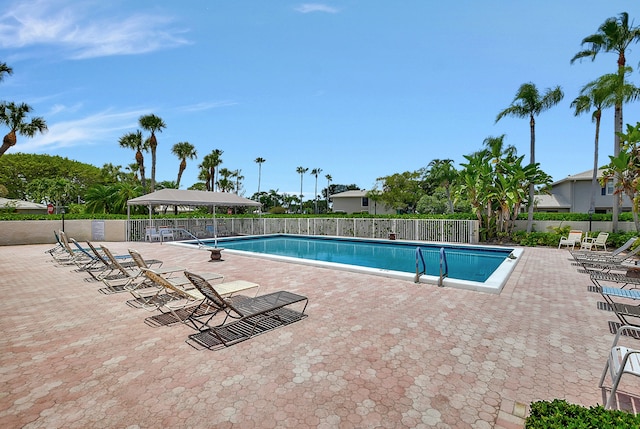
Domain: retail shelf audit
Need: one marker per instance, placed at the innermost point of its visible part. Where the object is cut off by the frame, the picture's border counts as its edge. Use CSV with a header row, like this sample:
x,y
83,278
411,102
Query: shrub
x,y
559,414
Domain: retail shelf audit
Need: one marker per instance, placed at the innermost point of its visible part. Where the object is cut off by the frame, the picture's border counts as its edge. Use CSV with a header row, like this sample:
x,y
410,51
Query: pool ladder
x,y
444,267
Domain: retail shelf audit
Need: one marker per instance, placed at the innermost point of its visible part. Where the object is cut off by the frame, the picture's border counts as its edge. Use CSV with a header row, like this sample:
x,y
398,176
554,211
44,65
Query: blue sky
x,y
360,88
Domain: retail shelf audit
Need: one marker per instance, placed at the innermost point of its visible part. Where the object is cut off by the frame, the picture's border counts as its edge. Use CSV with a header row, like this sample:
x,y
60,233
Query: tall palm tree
x,y
134,141
329,179
259,161
207,169
14,116
216,160
528,102
5,70
301,171
239,177
315,173
614,35
597,95
184,151
154,124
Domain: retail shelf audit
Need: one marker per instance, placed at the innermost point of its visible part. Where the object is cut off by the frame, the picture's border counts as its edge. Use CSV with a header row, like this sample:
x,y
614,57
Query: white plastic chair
x,y
622,360
165,233
574,237
152,234
591,243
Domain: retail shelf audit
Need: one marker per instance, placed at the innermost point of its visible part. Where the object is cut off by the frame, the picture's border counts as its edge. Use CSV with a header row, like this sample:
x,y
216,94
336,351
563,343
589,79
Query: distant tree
x,y
301,171
153,124
5,70
529,103
401,191
59,191
184,151
112,173
326,194
14,116
216,160
134,141
614,35
19,169
315,172
259,161
597,95
444,174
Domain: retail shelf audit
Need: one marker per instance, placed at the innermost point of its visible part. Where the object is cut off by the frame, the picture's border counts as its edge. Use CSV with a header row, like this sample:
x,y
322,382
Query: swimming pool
x,y
484,268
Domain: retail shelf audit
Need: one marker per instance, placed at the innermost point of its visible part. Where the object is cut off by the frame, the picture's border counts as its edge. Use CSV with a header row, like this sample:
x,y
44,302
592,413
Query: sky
x,y
360,89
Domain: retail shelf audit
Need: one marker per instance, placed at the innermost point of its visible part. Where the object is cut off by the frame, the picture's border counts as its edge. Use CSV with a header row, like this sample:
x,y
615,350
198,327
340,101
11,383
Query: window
x,y
365,202
610,189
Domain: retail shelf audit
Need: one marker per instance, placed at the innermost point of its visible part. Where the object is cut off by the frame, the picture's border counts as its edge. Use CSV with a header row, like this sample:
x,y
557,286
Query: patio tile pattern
x,y
373,352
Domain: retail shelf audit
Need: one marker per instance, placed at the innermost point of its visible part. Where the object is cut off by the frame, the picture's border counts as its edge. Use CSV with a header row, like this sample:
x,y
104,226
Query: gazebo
x,y
190,198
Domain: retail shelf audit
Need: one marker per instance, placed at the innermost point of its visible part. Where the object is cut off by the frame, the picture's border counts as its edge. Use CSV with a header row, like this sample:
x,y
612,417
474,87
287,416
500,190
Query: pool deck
x,y
374,352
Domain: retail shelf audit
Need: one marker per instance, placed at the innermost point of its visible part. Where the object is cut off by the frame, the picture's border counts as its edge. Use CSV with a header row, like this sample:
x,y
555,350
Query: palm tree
x,y
5,69
259,161
301,171
14,116
207,169
444,174
183,150
239,177
614,35
315,173
598,94
528,102
153,124
216,160
134,141
329,179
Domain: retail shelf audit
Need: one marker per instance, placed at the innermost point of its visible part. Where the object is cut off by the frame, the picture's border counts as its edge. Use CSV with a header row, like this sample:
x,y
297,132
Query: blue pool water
x,y
475,264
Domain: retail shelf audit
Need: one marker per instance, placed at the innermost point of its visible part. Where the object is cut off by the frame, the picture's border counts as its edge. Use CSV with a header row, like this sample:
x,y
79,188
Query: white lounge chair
x,y
621,360
574,237
152,234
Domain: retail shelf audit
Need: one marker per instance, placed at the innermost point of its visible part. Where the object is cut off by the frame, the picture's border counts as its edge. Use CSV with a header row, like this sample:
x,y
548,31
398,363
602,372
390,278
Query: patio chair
x,y
58,247
586,254
574,237
152,234
596,259
69,256
166,233
127,278
250,316
621,360
108,269
178,297
591,243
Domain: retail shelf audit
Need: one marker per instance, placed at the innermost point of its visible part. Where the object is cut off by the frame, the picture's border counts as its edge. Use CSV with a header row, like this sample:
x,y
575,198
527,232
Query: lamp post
x,y
590,218
62,211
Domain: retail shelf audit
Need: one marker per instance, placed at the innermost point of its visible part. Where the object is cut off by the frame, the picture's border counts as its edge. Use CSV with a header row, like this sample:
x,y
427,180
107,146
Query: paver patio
x,y
374,352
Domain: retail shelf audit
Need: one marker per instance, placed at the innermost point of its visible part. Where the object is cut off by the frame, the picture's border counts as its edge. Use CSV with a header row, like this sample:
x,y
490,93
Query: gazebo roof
x,y
191,198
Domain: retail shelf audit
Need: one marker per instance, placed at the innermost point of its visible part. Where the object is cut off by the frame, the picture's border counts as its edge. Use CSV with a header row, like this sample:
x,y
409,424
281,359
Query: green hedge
x,y
559,414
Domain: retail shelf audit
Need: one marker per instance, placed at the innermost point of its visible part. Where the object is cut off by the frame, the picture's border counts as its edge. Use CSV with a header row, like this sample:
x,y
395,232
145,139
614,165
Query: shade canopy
x,y
179,197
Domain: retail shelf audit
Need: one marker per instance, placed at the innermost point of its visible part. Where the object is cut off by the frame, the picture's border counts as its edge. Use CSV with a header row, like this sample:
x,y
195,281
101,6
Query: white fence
x,y
446,230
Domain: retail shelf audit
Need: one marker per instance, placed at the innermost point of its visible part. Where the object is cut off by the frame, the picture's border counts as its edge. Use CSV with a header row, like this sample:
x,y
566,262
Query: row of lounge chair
x,y
616,276
216,309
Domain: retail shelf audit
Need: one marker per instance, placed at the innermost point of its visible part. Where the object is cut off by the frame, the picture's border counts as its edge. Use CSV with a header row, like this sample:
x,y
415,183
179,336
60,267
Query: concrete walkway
x,y
373,353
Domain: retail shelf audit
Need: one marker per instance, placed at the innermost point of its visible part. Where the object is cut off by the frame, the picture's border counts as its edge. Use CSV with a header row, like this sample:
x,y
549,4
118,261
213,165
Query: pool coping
x,y
493,284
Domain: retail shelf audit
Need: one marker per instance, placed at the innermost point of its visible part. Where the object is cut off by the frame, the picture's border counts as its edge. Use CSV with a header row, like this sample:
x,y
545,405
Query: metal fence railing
x,y
445,230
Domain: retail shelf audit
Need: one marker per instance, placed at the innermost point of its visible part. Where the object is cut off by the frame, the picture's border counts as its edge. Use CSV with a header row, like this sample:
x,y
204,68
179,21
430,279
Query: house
x,y
23,207
573,194
357,202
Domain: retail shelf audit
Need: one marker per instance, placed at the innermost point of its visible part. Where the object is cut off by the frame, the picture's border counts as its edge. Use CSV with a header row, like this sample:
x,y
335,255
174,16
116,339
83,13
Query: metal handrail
x,y
419,258
200,243
443,262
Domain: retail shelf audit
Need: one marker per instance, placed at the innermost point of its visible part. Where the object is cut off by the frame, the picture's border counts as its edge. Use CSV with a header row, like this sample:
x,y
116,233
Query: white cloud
x,y
206,106
67,25
316,7
104,127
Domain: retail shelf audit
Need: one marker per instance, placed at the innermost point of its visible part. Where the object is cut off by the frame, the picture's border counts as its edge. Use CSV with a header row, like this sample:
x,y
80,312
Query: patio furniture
x,y
178,297
591,243
621,360
618,253
152,234
574,237
250,316
166,233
